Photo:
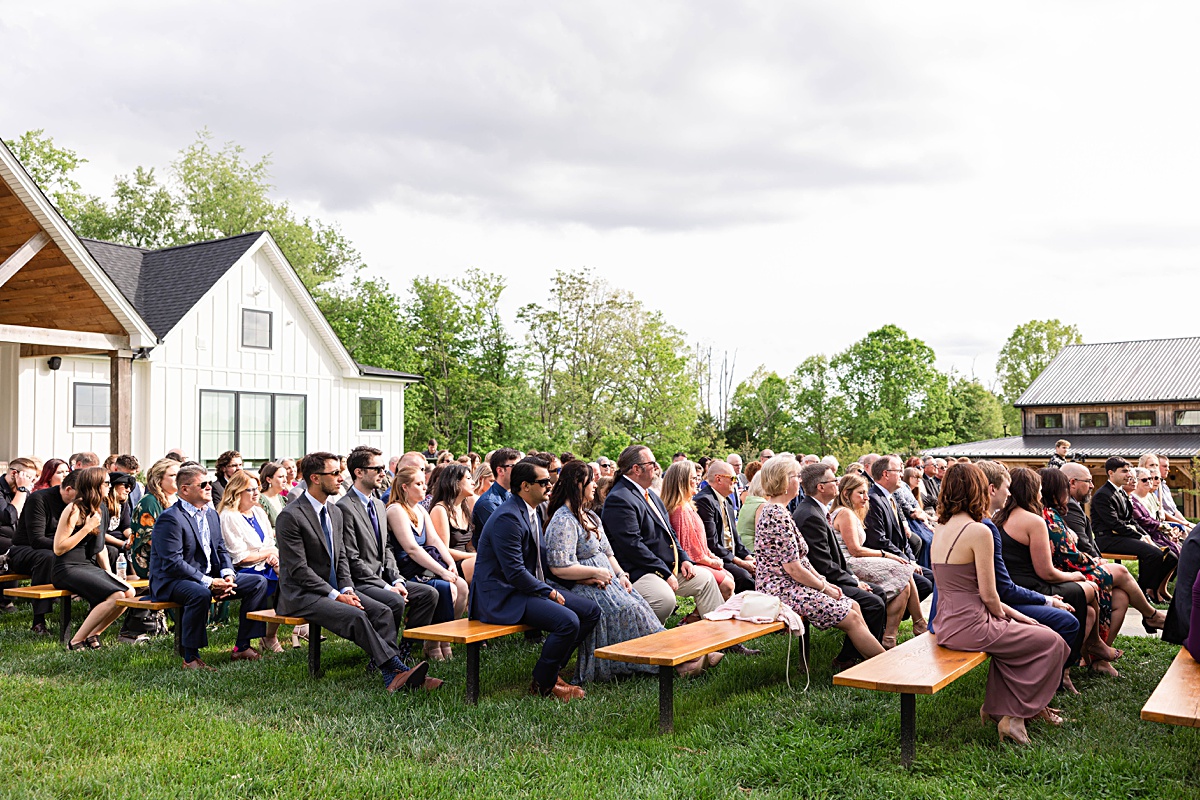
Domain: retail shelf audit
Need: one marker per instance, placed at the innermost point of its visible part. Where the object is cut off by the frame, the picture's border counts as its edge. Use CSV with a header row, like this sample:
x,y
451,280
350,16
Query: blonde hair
x,y
240,482
677,484
154,477
773,477
848,485
405,476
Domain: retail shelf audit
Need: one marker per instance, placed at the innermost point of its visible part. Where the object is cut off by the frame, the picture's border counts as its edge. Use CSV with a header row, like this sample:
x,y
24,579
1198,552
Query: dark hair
x,y
604,485
116,479
525,471
1023,490
72,479
313,463
811,475
445,488
501,457
225,459
573,479
175,455
360,457
1056,489
267,472
630,456
128,462
432,480
964,491
1115,463
543,460
43,482
89,495
567,457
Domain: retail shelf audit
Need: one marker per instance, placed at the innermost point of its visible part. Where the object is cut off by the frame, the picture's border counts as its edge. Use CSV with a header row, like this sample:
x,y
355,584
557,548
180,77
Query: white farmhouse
x,y
206,347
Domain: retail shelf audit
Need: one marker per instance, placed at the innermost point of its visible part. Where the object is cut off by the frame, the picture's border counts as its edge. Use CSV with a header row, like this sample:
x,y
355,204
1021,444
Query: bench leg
x,y
805,640
314,650
64,619
473,673
908,728
666,699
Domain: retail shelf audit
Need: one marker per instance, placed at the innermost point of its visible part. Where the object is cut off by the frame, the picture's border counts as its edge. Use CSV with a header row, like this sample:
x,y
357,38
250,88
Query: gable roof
x,y
1150,371
163,285
1091,446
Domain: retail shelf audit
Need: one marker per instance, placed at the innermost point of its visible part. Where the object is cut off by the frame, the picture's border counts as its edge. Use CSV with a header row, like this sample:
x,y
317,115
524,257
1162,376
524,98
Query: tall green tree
x,y
761,412
975,412
819,411
1029,350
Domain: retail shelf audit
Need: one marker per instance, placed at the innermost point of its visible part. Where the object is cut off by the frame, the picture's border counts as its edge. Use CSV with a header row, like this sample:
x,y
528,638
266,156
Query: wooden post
x,y
120,401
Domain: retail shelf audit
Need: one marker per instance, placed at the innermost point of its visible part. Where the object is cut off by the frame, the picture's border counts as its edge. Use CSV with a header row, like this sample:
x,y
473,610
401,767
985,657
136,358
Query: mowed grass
x,y
128,722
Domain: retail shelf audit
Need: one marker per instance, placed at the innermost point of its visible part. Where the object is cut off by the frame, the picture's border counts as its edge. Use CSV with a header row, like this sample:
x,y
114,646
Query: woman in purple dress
x,y
1027,658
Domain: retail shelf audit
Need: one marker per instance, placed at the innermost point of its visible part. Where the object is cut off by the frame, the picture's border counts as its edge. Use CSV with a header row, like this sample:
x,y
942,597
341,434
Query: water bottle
x,y
122,566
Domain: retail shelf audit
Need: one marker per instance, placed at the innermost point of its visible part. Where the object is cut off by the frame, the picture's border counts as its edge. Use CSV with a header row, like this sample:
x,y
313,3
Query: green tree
x,y
820,412
760,411
1028,351
975,412
52,169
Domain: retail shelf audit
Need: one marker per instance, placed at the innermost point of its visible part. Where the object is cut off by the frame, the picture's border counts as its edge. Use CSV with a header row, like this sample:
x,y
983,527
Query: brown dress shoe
x,y
249,654
409,679
560,691
742,650
198,664
577,691
432,683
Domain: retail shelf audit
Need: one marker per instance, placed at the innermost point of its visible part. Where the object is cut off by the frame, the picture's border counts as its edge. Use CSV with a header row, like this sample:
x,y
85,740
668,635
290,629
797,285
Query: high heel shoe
x,y
920,626
714,658
888,642
433,651
1008,730
984,717
1155,621
690,668
1051,715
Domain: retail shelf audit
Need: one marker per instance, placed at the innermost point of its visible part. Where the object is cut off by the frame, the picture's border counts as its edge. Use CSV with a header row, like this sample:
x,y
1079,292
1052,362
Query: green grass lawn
x,y
128,722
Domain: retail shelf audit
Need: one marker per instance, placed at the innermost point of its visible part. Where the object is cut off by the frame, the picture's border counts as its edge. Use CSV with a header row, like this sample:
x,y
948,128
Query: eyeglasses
x,y
380,468
202,484
1143,480
831,480
506,466
251,490
1082,480
646,464
544,482
336,472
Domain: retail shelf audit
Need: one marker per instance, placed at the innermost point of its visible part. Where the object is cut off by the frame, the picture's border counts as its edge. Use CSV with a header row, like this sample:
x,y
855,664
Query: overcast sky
x,y
777,178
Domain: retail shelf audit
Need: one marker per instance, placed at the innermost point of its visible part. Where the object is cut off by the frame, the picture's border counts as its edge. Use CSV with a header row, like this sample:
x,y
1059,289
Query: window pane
x,y
1140,419
91,405
370,413
256,328
1093,420
254,427
216,425
290,423
1187,417
1048,421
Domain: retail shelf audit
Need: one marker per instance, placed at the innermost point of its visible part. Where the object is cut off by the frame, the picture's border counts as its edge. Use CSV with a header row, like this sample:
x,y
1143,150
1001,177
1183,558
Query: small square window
x,y
1096,419
370,413
256,329
91,405
1190,417
1042,421
1140,419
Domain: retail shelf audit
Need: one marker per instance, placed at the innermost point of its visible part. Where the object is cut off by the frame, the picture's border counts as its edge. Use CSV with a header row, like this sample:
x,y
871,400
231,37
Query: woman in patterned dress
x,y
782,565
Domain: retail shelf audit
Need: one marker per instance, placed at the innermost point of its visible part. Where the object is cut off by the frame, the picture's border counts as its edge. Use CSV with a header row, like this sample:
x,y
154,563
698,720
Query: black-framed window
x,y
1043,421
90,406
370,413
259,425
256,328
1188,417
1140,419
1093,419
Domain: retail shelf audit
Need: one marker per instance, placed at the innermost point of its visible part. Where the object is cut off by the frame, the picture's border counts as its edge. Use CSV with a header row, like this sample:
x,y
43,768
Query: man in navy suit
x,y
885,531
509,585
190,566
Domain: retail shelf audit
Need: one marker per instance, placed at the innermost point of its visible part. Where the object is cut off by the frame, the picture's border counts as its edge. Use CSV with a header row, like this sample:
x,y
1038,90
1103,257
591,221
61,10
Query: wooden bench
x,y
314,635
146,604
47,591
13,577
470,632
670,648
919,666
1176,699
1118,557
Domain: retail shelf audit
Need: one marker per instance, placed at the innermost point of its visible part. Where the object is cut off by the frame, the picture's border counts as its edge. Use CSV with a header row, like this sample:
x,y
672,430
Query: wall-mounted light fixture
x,y
55,362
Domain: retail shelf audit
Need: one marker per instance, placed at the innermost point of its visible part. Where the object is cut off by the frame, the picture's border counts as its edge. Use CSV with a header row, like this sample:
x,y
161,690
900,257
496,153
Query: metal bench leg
x,y
64,619
314,650
175,615
908,728
805,640
473,673
666,699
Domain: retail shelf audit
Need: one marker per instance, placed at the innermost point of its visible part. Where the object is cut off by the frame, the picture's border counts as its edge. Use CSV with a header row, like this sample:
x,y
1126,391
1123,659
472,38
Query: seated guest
x,y
714,504
1179,615
908,497
510,583
483,479
1147,515
189,565
828,557
1164,495
315,582
644,543
1080,485
160,494
53,473
501,461
1049,610
32,552
272,486
679,487
451,516
250,541
751,500
783,566
15,485
119,536
228,463
78,539
1027,659
1193,639
889,572
884,525
1117,533
372,564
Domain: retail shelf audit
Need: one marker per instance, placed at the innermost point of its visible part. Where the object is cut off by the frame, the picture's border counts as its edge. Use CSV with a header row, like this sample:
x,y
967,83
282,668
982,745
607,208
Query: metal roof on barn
x,y
1150,371
1092,446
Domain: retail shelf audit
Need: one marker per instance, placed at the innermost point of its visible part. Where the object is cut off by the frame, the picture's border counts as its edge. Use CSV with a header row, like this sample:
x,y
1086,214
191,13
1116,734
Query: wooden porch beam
x,y
22,256
120,402
52,337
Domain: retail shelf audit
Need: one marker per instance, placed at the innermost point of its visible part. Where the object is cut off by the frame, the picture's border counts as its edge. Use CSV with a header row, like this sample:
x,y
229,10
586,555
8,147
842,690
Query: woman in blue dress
x,y
579,557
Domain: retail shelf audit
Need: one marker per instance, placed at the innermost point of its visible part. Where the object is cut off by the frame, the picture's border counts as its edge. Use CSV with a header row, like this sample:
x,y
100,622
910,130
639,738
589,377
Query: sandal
x,y
888,642
1051,715
93,642
82,645
920,627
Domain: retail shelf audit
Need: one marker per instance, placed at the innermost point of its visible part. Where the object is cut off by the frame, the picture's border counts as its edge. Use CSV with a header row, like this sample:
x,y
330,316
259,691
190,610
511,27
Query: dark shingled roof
x,y
380,372
1172,445
1151,371
163,285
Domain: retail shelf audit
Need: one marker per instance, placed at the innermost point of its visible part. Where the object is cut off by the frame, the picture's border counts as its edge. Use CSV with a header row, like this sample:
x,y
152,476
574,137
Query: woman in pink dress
x,y
1026,658
679,487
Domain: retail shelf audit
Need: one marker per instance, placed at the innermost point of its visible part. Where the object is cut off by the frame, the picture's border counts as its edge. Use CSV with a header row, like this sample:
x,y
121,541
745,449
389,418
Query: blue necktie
x,y
333,581
375,524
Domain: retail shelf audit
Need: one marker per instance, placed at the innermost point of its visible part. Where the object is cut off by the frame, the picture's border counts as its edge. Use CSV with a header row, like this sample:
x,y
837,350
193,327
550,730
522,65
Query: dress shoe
x,y
249,654
40,629
577,691
714,658
689,619
839,665
562,693
432,683
693,667
198,664
410,678
742,650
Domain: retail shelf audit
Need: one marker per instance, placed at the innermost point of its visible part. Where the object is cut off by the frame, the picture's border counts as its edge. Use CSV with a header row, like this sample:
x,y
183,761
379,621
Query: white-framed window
x,y
89,405
261,426
370,413
257,328
1187,417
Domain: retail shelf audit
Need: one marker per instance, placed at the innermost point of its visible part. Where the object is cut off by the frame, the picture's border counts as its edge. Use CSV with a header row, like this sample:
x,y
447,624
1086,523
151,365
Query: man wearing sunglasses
x,y
189,565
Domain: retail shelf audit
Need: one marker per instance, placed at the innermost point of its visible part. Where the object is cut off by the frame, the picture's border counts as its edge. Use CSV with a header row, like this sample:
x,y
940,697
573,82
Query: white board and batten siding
x,y
204,352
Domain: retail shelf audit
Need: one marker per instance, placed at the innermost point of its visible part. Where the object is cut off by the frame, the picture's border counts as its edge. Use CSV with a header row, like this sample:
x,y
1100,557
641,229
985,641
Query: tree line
x,y
590,369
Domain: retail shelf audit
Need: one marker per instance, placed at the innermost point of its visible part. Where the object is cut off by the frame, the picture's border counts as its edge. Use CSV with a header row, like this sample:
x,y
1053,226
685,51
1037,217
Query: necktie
x,y
536,526
896,511
375,524
654,508
333,581
727,534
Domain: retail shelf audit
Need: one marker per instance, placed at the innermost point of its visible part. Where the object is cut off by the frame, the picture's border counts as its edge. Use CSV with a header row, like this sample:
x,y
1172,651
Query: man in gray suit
x,y
314,575
372,564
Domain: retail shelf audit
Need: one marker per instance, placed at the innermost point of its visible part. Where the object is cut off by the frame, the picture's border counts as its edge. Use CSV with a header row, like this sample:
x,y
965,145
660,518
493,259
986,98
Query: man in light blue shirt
x,y
501,462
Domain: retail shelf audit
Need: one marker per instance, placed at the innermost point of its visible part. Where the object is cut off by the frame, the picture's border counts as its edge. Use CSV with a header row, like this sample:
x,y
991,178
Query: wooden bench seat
x,y
919,666
1118,557
670,648
13,577
314,635
470,632
47,591
1176,699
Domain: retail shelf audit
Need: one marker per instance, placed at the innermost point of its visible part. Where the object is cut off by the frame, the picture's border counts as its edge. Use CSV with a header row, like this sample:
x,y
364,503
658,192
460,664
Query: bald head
x,y
1079,480
717,467
411,459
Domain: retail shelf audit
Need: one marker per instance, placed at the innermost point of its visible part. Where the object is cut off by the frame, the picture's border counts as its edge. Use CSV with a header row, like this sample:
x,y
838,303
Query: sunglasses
x,y
203,484
544,482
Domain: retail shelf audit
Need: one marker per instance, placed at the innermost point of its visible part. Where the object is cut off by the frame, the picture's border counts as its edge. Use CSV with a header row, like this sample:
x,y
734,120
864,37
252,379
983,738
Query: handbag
x,y
757,605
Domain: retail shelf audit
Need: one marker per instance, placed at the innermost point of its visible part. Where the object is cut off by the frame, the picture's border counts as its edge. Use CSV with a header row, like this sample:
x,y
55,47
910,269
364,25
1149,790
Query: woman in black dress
x,y
79,539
